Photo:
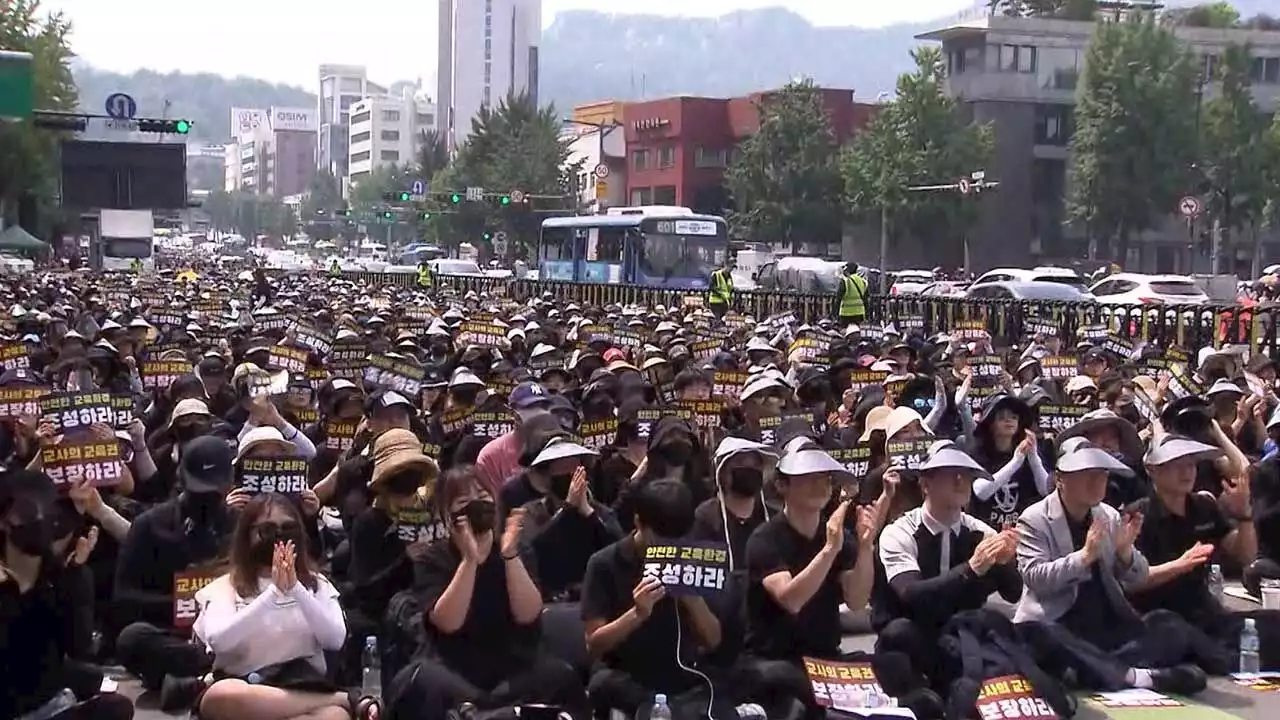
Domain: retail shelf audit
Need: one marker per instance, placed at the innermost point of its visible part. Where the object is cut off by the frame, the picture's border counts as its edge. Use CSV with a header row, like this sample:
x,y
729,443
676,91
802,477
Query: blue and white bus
x,y
663,247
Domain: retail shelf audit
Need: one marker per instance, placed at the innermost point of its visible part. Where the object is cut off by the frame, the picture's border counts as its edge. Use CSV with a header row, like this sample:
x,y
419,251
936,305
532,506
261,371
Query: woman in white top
x,y
268,622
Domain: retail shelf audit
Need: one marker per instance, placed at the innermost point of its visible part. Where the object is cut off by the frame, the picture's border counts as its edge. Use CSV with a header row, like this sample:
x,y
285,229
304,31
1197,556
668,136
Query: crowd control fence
x,y
1009,322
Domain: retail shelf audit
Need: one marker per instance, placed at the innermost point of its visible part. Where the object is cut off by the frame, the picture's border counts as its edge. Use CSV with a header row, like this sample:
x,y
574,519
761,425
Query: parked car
x,y
910,282
800,274
456,267
1027,290
945,288
1065,276
1139,289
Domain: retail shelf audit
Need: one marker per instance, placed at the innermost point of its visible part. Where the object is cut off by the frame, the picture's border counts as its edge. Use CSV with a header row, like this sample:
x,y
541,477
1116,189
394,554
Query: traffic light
x,y
58,121
426,216
504,200
487,236
320,212
388,214
455,198
344,212
164,127
402,197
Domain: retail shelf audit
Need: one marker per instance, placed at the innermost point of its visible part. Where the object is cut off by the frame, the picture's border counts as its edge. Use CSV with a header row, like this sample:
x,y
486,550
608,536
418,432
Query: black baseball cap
x,y
207,465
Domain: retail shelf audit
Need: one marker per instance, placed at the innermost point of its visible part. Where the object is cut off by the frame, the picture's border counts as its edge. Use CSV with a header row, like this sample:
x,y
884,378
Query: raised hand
x,y
1196,555
510,546
835,527
646,595
1094,540
465,540
578,496
83,549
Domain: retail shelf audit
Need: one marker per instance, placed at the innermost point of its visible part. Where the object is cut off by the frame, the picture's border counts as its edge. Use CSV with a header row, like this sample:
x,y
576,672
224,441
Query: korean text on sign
x,y
160,374
841,685
13,356
98,462
908,455
598,434
402,377
339,435
71,412
417,525
21,400
291,359
347,360
185,586
688,568
1059,367
492,425
1057,418
1011,697
273,475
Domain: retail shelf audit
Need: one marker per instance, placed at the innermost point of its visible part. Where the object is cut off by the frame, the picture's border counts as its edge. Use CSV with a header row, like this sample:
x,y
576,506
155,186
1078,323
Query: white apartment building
x,y
387,130
341,86
488,49
587,150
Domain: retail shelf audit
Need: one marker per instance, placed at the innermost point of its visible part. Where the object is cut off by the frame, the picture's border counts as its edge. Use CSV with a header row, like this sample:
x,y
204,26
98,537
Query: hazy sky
x,y
285,40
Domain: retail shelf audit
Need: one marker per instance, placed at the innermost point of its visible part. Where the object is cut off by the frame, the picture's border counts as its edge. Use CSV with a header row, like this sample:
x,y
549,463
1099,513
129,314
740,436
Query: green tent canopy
x,y
15,239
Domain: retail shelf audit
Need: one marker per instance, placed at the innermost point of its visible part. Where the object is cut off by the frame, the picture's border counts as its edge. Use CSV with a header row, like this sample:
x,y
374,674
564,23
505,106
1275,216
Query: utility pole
x,y
975,184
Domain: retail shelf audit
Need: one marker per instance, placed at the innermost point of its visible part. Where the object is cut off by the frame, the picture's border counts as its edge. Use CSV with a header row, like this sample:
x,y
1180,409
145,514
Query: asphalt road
x,y
1223,700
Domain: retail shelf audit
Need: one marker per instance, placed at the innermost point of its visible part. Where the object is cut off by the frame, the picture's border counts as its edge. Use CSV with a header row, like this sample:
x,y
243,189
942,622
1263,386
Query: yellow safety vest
x,y
721,288
425,279
136,265
335,270
851,305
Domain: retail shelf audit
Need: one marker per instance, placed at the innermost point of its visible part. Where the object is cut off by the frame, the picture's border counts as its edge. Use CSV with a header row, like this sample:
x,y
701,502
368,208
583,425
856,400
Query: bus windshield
x,y
680,256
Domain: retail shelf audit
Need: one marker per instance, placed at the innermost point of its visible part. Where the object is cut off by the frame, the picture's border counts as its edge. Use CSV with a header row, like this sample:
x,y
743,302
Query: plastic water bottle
x,y
1216,582
371,684
660,711
1249,658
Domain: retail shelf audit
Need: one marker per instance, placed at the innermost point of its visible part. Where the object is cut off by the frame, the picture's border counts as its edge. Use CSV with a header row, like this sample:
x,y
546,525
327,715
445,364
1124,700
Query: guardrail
x,y
1185,326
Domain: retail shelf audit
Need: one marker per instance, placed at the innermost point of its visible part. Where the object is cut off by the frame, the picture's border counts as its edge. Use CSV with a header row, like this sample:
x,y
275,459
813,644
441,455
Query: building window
x,y
664,195
347,101
957,63
640,160
391,116
390,135
1208,67
360,118
426,119
1053,125
361,157
360,137
641,196
704,158
1014,58
358,176
1265,70
390,156
666,156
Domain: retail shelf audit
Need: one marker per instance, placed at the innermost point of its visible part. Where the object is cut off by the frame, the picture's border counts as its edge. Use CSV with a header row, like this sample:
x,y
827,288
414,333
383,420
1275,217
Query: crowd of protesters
x,y
236,488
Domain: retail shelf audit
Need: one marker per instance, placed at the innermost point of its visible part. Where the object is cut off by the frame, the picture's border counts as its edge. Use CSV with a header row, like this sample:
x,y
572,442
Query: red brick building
x,y
678,148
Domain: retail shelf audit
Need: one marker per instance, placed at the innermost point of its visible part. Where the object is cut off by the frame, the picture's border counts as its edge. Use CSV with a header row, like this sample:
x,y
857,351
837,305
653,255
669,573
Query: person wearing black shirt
x,y
934,562
644,641
800,570
1076,555
1005,446
187,532
481,615
1181,530
46,600
566,527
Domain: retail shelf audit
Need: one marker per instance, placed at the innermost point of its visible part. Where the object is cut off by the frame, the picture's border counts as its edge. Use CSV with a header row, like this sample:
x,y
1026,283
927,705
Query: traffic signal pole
x,y
973,185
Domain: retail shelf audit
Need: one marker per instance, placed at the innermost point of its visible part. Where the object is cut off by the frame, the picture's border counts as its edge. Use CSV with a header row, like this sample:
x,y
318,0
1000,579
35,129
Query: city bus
x,y
649,247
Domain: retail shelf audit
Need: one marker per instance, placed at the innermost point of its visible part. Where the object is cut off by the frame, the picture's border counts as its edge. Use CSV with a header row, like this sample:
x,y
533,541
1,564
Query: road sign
x,y
500,243
965,186
1190,206
517,196
121,106
418,188
123,125
475,194
16,84
602,189
601,171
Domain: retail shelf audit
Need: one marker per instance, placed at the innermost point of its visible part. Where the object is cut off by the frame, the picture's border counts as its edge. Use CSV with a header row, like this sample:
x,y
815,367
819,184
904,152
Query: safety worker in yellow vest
x,y
335,270
720,293
135,266
851,301
426,279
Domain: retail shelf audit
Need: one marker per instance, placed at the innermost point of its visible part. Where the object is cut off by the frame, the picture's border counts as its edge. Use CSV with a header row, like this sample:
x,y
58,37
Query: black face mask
x,y
559,486
464,397
746,482
1129,412
201,506
266,537
32,538
676,454
480,514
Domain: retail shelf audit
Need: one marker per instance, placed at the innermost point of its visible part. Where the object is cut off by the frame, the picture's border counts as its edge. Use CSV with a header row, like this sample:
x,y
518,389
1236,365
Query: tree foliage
x,y
1060,9
515,146
249,215
1208,15
785,182
918,139
28,157
432,155
1232,131
1134,139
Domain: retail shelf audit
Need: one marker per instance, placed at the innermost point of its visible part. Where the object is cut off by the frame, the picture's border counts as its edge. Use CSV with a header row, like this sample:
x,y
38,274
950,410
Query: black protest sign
x,y
14,356
1095,333
598,434
457,420
688,568
417,524
403,377
307,336
492,425
291,359
99,462
348,360
1059,367
339,434
1057,418
856,459
285,475
706,413
860,380
480,334
185,586
272,322
19,400
907,454
1121,347
71,412
160,374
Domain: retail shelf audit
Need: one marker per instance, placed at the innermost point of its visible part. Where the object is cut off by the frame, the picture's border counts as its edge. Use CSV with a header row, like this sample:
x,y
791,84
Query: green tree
x,y
1232,131
786,183
1064,9
515,146
1270,151
432,155
1134,139
1208,15
28,157
918,139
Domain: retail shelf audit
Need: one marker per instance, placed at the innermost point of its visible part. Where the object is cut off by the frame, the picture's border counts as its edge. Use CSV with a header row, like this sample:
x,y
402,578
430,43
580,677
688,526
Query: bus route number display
x,y
685,227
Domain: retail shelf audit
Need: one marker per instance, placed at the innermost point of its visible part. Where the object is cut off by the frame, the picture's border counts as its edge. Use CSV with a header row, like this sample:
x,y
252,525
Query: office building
x,y
1020,75
678,148
488,50
387,130
272,152
340,87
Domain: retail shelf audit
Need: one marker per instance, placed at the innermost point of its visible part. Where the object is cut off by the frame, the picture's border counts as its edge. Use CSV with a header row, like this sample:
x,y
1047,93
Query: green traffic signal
x,y
505,200
455,198
388,214
182,127
488,236
404,197
426,216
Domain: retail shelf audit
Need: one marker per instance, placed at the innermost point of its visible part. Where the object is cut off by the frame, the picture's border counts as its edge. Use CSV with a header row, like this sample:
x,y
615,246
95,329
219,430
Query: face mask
x,y
189,432
559,486
677,454
31,538
746,482
480,513
1129,412
264,546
